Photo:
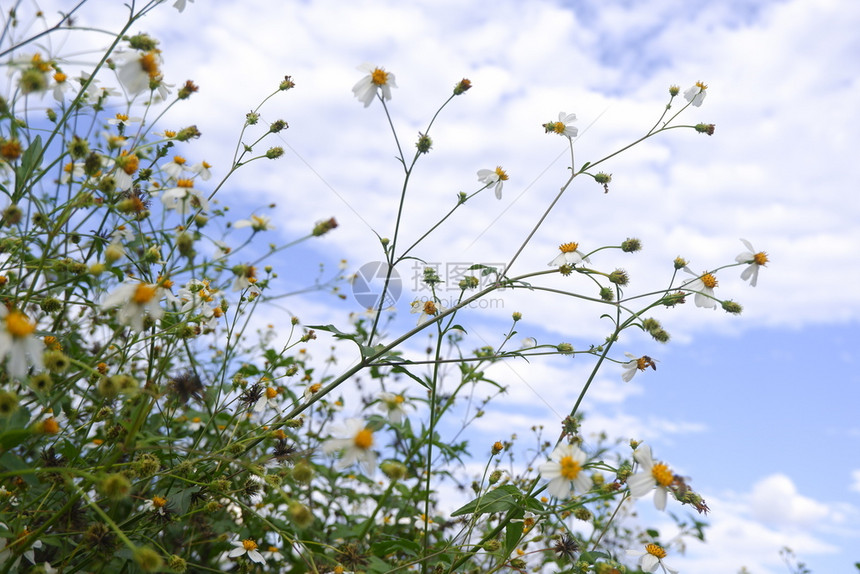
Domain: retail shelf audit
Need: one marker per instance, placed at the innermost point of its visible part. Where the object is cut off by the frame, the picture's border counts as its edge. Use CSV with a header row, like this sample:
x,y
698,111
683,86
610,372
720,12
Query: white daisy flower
x,y
427,309
17,341
376,79
180,4
570,255
565,465
493,176
175,168
651,559
636,364
703,286
653,475
137,70
256,222
696,94
246,547
184,198
755,259
356,447
135,300
563,126
394,406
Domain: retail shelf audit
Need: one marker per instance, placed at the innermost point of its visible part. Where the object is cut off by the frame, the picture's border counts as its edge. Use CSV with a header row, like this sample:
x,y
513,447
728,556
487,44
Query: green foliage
x,y
150,418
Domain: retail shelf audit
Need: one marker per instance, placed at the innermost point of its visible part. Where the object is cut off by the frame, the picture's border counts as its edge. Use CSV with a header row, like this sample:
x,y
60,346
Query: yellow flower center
x,y
314,388
398,399
169,134
60,77
159,501
363,439
50,425
503,176
184,183
709,280
558,127
271,392
379,77
430,308
569,468
122,117
195,420
662,474
39,63
249,545
52,343
760,258
149,63
702,86
143,294
18,325
568,247
178,160
655,550
129,163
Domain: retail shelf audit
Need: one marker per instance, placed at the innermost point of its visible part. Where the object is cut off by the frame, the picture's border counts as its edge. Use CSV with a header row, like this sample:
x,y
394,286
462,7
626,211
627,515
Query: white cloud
x,y
775,499
855,480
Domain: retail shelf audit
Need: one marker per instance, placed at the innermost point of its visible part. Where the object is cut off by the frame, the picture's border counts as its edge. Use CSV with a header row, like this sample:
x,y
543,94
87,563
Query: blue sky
x,y
760,410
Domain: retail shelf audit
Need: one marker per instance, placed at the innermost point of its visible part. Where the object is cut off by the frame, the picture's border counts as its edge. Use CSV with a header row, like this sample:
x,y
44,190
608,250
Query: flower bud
x,y
672,299
177,564
680,262
303,473
323,227
674,90
495,476
732,307
565,348
424,143
462,86
607,294
115,486
148,559
188,133
278,125
631,245
619,277
394,470
274,152
186,90
287,84
300,514
706,129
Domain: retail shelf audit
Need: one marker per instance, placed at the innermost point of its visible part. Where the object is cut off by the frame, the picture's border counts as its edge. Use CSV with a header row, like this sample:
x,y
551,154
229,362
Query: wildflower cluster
x,y
145,425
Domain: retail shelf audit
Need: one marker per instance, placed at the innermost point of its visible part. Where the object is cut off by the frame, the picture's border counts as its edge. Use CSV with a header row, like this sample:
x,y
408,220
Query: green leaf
x,y
400,545
29,160
501,499
334,331
400,370
11,439
513,533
